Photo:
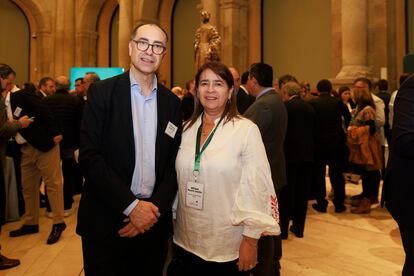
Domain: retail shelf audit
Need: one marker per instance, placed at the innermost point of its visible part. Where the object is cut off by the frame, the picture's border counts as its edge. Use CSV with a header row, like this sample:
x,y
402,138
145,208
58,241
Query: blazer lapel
x,y
124,99
161,122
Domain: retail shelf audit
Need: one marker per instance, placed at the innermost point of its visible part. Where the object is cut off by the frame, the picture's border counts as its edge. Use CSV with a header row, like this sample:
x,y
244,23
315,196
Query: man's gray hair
x,y
291,88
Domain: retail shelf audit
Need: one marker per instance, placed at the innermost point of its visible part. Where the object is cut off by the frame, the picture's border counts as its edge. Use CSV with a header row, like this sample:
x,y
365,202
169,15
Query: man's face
x,y
49,88
146,62
236,78
6,83
78,87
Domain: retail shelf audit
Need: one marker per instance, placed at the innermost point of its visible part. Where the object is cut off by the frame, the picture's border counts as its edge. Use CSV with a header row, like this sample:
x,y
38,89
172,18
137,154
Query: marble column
x,y
64,37
124,31
354,39
86,48
233,31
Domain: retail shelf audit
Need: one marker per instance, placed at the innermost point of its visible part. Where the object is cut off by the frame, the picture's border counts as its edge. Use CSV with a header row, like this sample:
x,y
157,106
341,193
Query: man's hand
x,y
142,218
57,139
247,254
24,121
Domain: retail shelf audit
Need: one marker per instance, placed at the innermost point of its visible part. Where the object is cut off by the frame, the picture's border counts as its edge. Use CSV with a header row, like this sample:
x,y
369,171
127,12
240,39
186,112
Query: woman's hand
x,y
247,254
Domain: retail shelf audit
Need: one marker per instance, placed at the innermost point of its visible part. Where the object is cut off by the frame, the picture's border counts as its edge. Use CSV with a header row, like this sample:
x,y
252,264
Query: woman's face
x,y
213,92
346,96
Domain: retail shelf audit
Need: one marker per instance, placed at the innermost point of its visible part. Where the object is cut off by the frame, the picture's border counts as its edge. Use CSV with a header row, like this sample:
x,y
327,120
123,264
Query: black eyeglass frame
x,y
138,42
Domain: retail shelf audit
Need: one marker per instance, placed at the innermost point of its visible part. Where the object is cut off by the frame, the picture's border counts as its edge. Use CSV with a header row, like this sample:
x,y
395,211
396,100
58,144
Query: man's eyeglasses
x,y
143,45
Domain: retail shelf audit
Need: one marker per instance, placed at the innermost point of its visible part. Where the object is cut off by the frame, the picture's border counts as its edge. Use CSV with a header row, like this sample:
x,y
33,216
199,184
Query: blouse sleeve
x,y
255,206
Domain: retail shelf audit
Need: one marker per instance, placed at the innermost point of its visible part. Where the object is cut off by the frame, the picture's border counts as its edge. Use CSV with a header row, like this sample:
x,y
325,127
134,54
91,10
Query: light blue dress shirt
x,y
144,120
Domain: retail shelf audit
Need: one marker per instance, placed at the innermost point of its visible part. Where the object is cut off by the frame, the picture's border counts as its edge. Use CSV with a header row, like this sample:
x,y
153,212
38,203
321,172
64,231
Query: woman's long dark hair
x,y
230,109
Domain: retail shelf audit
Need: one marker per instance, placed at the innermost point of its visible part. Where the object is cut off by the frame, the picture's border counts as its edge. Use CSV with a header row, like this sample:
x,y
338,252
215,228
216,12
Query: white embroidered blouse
x,y
238,198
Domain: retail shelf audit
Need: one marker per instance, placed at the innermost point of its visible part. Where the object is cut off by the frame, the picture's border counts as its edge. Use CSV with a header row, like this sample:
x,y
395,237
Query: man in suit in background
x,y
40,159
330,148
269,113
8,128
187,104
244,100
299,152
130,134
398,191
68,111
46,87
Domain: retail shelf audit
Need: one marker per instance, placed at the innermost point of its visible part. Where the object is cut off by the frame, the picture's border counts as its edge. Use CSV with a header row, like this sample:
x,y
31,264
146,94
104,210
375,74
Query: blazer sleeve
x,y
101,180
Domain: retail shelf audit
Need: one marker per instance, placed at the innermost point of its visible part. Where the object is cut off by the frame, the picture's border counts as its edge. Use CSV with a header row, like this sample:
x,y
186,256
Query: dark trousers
x,y
293,200
370,183
13,151
144,254
70,179
336,166
407,237
187,264
269,253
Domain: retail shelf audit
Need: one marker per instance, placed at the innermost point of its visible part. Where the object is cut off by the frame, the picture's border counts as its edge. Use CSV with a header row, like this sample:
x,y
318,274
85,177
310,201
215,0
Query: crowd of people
x,y
241,155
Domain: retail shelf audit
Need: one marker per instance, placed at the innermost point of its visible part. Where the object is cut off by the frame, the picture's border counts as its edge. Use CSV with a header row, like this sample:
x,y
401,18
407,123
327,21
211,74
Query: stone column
x,y
354,39
124,31
64,37
45,64
86,48
233,31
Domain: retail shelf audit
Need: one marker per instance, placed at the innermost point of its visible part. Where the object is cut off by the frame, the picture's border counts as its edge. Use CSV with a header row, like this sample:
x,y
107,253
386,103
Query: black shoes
x,y
296,232
57,230
319,207
24,230
340,208
6,263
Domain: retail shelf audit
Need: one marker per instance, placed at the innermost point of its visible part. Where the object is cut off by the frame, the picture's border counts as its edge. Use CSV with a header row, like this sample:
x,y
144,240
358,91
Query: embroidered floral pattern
x,y
275,207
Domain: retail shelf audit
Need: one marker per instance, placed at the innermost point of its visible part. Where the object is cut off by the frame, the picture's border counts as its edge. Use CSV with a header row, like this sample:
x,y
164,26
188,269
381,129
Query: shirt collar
x,y
134,83
263,92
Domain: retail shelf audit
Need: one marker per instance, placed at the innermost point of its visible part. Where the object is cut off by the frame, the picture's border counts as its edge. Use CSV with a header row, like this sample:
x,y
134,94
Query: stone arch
x,y
86,32
104,24
38,23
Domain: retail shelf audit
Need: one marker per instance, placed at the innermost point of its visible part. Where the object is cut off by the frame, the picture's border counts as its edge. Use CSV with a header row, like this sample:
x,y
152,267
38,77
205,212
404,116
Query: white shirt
x,y
239,196
391,107
19,138
379,117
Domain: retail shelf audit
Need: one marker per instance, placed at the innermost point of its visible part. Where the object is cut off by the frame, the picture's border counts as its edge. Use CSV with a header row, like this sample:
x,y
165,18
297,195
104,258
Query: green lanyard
x,y
197,149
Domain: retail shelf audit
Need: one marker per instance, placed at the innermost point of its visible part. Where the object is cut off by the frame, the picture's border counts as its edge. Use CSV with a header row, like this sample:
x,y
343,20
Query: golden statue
x,y
207,42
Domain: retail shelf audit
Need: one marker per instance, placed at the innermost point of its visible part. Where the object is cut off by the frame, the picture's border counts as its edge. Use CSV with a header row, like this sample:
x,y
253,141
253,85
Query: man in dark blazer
x,y
269,113
130,134
40,159
299,152
244,99
68,111
398,191
330,146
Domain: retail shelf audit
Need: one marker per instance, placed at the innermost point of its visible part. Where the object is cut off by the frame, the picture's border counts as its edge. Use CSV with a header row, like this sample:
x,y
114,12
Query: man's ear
x,y
130,48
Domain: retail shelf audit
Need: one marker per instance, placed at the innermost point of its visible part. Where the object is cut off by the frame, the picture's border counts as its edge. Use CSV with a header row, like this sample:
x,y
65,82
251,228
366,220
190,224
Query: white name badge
x,y
171,129
194,195
17,112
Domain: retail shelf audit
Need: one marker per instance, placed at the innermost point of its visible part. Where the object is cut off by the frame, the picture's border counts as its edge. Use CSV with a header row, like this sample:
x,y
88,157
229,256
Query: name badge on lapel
x,y
17,111
171,130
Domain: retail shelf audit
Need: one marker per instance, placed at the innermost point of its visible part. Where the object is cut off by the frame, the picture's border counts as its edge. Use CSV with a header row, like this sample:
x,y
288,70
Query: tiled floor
x,y
334,244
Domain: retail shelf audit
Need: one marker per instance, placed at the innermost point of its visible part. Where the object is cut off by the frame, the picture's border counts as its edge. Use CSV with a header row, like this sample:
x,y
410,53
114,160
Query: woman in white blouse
x,y
226,199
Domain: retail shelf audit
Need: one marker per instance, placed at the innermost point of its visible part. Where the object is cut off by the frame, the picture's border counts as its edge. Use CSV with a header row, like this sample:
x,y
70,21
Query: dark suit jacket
x,y
68,111
330,135
107,158
269,113
300,133
187,105
244,101
399,184
40,133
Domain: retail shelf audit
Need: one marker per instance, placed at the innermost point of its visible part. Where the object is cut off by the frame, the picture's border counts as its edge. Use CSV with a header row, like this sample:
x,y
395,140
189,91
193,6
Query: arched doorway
x,y
15,45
